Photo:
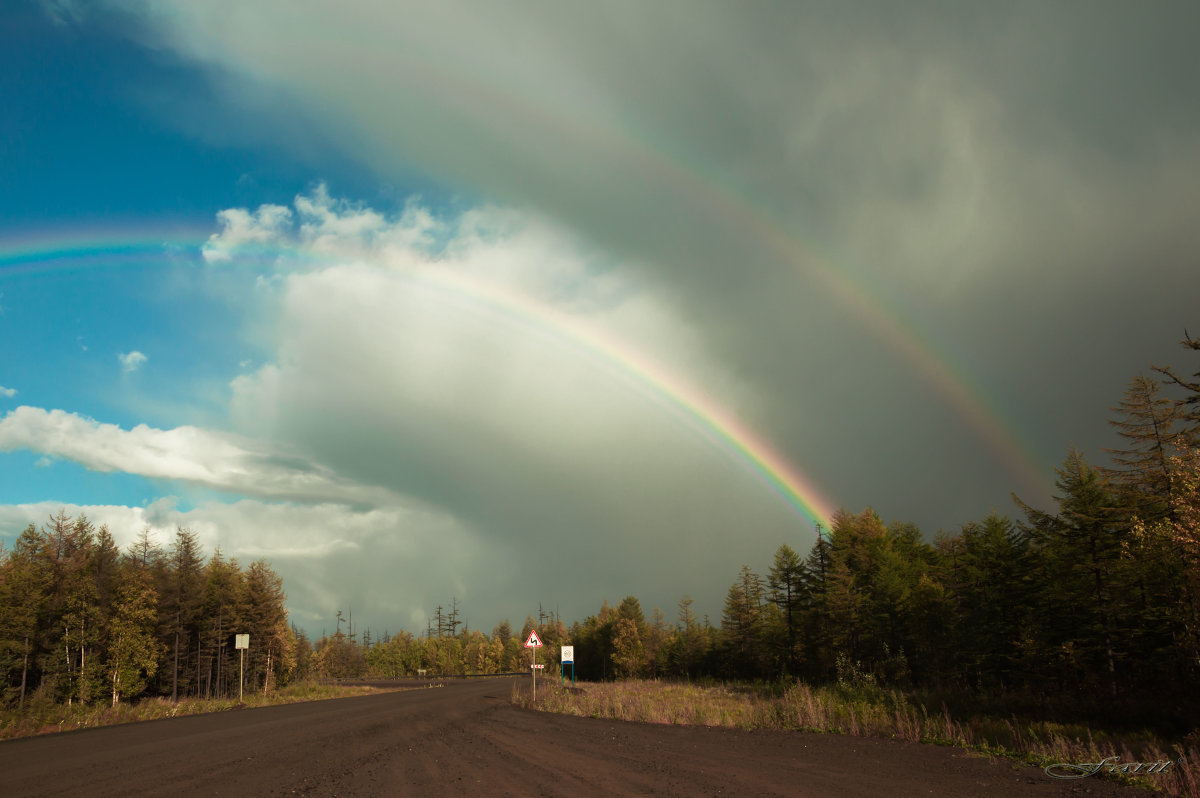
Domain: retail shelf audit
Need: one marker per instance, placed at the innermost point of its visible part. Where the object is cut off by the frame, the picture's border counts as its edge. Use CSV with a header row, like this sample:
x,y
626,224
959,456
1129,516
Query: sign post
x,y
568,658
535,643
241,643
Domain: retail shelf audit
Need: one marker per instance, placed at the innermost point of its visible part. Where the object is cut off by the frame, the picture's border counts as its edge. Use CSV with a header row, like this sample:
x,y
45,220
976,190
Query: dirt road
x,y
466,739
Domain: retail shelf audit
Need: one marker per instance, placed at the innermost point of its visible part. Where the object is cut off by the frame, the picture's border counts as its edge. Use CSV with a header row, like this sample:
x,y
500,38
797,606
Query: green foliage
x,y
133,648
82,625
1090,609
628,653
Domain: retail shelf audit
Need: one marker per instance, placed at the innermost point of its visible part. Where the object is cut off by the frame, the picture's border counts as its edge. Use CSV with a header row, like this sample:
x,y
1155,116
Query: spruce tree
x,y
133,649
786,582
1142,472
182,595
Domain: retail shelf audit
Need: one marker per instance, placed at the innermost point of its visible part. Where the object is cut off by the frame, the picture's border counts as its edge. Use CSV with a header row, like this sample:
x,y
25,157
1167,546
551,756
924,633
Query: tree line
x,y
80,621
1092,603
443,650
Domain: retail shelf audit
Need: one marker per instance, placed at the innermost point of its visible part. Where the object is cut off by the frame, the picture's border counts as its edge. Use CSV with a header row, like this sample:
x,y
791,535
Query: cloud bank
x,y
187,454
436,402
898,244
836,198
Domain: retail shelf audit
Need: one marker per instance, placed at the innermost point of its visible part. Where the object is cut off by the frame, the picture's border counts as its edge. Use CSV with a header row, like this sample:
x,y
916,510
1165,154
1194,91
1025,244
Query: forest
x,y
1090,609
82,622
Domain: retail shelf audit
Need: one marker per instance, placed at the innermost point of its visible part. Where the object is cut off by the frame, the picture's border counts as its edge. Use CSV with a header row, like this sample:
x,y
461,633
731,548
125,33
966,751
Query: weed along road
x,y
467,739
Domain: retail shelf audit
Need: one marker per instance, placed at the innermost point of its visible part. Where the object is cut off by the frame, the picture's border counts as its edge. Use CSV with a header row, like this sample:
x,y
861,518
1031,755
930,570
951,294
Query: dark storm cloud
x,y
837,202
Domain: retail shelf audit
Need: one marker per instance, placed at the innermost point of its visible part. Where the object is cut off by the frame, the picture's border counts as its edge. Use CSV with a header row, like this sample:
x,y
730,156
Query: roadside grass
x,y
873,712
43,717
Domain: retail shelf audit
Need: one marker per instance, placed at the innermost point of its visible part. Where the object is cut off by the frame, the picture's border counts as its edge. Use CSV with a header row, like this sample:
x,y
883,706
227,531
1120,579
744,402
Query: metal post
x,y
241,672
534,669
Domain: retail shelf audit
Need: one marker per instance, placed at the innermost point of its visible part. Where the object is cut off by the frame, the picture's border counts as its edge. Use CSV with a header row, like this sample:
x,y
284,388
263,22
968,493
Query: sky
x,y
553,303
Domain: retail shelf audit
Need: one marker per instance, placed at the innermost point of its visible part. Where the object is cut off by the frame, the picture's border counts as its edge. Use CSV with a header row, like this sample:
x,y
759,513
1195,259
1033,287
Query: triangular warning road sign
x,y
534,641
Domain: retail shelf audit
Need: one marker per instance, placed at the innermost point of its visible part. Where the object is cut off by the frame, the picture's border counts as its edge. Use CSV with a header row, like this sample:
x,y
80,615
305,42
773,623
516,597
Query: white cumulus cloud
x,y
131,361
190,454
240,228
7,392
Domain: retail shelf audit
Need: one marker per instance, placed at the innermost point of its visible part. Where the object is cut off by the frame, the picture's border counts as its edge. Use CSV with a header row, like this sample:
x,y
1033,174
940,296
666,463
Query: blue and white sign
x,y
568,655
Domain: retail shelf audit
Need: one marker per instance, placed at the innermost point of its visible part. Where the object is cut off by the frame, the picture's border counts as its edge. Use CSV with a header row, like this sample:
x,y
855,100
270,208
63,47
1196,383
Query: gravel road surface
x,y
466,739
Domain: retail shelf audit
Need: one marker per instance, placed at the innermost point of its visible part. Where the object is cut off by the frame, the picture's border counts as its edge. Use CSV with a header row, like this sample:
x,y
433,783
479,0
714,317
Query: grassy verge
x,y
47,719
869,713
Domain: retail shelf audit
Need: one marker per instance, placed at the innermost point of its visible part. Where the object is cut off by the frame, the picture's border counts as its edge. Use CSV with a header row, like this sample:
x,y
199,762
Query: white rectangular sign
x,y
241,641
568,654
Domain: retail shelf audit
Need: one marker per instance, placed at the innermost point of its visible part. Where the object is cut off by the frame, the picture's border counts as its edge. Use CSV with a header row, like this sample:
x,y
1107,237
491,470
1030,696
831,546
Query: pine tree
x,y
144,551
105,565
1189,405
25,582
741,623
1080,548
988,588
266,621
133,649
628,652
220,619
1172,546
70,616
819,656
182,595
690,640
786,581
1147,420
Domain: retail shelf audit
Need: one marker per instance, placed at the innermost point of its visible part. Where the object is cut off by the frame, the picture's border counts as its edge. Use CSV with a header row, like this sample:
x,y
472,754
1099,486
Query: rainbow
x,y
955,380
68,250
959,385
892,325
670,391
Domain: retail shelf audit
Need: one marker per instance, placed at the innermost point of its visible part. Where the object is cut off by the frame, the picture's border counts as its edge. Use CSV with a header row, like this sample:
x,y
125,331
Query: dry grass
x,y
48,719
867,713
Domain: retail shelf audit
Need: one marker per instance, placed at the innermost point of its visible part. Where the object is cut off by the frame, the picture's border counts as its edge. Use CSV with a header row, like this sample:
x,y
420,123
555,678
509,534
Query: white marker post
x,y
241,643
535,643
568,658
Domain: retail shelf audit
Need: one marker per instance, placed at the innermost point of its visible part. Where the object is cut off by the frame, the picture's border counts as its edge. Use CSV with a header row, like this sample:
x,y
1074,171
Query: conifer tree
x,y
133,649
690,641
220,619
989,562
741,623
24,589
786,581
1189,405
181,600
266,621
1142,472
1080,548
628,652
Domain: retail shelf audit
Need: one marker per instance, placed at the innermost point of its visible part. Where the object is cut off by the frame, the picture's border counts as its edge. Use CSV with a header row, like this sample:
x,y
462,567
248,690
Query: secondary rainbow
x,y
704,187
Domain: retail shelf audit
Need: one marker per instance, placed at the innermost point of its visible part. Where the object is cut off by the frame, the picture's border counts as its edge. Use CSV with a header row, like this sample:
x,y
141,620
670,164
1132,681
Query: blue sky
x,y
407,298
